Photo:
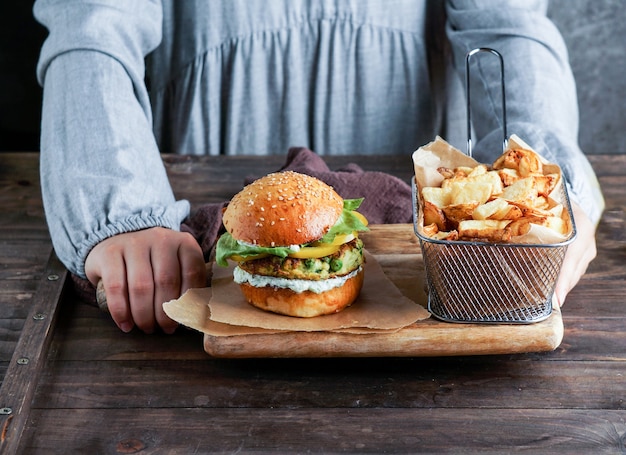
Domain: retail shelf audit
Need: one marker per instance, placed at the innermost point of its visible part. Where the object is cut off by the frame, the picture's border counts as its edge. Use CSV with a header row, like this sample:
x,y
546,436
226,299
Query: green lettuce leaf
x,y
227,246
347,222
352,204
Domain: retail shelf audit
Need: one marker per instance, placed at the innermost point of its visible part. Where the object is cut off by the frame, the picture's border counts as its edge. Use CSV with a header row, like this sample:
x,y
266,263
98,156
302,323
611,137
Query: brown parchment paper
x,y
222,311
192,310
440,153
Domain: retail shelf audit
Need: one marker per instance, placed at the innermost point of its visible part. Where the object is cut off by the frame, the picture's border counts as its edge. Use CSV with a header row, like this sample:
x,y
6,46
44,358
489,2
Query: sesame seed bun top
x,y
282,209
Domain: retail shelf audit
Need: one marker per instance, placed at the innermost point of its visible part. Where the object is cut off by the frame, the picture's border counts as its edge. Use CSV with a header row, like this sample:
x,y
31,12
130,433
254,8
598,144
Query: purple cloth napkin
x,y
387,200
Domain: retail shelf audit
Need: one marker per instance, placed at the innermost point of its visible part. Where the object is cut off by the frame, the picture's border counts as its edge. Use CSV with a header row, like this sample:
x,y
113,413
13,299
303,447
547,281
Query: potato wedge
x,y
525,161
487,210
522,191
445,172
485,230
556,223
430,230
440,197
459,212
545,183
492,178
521,226
557,210
446,235
479,170
434,215
497,209
508,176
463,171
466,192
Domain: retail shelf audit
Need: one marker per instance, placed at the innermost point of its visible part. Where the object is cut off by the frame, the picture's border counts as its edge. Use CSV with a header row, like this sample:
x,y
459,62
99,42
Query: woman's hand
x,y
141,270
579,254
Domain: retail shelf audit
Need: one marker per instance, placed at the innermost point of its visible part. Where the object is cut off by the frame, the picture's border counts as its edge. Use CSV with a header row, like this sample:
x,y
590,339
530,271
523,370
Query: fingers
x,y
574,267
141,290
175,271
167,285
113,277
143,269
578,257
193,271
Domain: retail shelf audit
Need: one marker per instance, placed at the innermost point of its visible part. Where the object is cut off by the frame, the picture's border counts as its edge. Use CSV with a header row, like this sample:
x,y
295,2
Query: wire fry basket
x,y
481,282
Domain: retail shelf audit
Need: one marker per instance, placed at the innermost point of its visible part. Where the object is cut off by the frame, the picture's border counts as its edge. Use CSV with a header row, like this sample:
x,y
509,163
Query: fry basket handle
x,y
468,57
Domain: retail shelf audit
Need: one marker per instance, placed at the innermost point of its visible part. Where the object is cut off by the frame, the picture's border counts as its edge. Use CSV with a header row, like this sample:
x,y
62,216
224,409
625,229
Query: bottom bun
x,y
305,304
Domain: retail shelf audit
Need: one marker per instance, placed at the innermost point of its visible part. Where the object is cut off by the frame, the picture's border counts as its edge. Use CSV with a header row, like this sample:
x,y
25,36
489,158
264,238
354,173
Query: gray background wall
x,y
594,30
595,33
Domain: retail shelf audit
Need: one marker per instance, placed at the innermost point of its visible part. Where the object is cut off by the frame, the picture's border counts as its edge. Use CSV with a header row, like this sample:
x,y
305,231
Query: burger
x,y
296,245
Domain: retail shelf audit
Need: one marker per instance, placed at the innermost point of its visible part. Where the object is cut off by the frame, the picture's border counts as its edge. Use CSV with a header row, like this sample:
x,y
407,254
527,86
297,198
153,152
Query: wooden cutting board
x,y
397,250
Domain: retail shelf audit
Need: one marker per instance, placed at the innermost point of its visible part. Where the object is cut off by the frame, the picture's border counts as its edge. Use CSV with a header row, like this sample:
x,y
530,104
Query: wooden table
x,y
73,383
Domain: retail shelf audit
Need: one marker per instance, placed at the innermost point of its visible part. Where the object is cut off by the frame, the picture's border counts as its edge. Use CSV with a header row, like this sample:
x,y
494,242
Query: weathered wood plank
x,y
606,165
358,430
461,382
18,386
20,197
22,259
10,330
23,262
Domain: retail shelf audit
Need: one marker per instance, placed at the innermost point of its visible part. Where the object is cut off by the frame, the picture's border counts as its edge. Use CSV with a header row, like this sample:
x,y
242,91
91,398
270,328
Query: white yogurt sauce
x,y
259,281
